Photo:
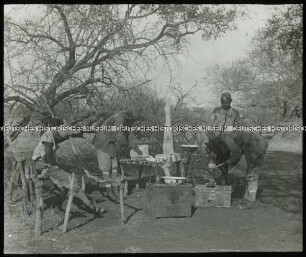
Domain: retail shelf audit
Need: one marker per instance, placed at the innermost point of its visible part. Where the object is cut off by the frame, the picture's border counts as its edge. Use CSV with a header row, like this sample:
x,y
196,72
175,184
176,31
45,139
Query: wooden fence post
x,y
24,189
31,191
14,172
121,196
39,207
121,202
71,195
126,185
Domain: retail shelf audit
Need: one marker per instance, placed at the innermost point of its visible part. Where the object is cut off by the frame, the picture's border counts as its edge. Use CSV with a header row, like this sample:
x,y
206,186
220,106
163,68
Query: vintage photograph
x,y
152,128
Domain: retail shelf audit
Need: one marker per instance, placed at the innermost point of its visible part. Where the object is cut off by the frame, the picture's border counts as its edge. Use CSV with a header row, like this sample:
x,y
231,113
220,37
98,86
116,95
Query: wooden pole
x,y
83,184
71,195
14,171
121,197
24,189
121,203
31,191
31,182
39,207
125,188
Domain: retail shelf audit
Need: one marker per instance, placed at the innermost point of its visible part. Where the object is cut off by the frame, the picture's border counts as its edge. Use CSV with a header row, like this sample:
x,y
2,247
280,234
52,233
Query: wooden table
x,y
154,168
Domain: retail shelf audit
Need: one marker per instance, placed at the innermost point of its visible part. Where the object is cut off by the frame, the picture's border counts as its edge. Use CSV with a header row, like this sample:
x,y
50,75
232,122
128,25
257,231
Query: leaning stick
x,y
121,203
14,172
121,197
94,177
31,184
125,188
83,184
39,207
71,195
76,154
24,190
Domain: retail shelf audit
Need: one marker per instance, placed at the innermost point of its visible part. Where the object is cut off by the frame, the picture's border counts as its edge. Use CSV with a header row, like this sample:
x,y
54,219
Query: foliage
x,y
78,55
269,81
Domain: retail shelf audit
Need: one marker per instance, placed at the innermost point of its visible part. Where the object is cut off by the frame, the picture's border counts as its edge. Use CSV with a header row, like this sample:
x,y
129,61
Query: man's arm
x,y
212,118
133,143
237,121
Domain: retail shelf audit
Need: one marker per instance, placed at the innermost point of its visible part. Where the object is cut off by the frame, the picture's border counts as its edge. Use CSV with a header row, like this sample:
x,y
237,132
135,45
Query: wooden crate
x,y
219,196
168,200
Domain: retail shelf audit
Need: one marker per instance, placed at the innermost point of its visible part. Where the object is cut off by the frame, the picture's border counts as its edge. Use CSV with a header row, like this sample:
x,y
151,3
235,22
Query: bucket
x,y
252,182
251,190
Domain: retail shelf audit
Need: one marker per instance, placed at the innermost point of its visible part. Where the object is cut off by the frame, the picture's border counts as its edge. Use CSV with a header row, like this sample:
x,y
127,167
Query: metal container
x,y
168,200
175,157
252,187
218,196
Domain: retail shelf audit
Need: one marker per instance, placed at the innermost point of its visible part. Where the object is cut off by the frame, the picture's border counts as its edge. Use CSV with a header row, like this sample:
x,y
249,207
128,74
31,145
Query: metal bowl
x,y
174,180
189,146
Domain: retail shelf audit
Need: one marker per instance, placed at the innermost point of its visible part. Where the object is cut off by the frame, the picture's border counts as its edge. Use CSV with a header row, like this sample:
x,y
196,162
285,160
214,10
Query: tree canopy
x,y
81,55
270,77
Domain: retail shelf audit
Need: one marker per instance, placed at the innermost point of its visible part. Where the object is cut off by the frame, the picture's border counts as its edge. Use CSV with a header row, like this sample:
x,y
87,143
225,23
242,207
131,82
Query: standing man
x,y
110,145
225,115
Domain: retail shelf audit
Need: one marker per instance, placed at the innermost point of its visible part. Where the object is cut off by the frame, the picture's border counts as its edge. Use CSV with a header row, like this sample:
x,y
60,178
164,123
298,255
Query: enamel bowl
x,y
174,180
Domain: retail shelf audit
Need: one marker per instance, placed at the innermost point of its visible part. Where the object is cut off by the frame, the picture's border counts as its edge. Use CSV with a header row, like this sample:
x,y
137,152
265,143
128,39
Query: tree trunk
x,y
285,109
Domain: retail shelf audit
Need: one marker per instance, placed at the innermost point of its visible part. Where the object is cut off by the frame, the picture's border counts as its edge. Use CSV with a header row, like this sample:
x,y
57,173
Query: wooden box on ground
x,y
219,196
168,200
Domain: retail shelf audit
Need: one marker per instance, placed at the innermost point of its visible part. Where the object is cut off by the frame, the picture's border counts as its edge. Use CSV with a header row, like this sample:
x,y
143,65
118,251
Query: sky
x,y
230,47
201,54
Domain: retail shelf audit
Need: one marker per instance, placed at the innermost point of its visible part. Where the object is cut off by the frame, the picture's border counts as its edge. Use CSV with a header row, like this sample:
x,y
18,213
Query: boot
x,y
108,192
115,192
99,210
112,192
115,176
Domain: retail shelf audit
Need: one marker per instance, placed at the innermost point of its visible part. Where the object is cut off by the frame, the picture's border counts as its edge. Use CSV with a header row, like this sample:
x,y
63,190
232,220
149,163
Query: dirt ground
x,y
273,223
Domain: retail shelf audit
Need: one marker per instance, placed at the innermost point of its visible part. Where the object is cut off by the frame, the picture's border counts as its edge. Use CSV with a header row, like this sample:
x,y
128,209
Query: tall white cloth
x,y
168,138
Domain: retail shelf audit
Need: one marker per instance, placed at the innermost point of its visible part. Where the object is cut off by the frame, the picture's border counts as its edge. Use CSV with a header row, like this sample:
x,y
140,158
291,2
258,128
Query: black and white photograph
x,y
152,128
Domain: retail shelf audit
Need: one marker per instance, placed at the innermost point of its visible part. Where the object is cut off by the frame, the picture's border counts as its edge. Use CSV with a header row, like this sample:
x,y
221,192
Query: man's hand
x,y
212,165
137,150
42,174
